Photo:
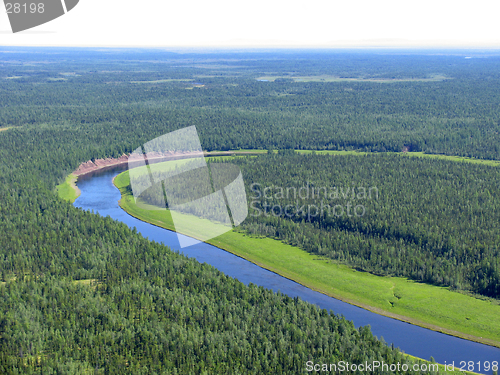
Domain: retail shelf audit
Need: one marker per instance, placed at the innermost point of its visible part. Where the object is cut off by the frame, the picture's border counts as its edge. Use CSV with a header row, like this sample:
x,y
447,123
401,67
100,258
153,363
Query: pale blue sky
x,y
267,23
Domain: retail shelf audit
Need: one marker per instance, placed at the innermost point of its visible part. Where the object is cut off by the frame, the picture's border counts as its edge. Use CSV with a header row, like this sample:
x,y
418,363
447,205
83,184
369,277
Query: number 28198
x,y
25,8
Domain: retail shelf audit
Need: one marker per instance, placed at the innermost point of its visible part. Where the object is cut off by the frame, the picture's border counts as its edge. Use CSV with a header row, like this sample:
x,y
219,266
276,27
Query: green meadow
x,y
68,189
494,163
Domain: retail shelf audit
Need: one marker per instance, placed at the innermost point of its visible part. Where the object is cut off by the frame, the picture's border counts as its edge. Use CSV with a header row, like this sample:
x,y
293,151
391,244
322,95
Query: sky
x,y
267,23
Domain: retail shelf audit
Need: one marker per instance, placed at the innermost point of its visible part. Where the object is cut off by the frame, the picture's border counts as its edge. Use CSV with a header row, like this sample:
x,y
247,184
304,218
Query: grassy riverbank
x,y
433,307
68,189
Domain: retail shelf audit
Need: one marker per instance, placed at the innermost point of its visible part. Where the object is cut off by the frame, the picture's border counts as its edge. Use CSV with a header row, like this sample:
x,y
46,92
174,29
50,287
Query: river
x,y
100,195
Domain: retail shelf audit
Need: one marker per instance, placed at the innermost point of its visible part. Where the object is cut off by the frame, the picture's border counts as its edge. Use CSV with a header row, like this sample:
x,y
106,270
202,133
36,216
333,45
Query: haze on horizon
x,y
224,23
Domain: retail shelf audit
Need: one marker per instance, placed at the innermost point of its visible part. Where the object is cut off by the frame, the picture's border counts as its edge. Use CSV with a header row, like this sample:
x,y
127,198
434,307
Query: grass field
x,y
433,307
68,189
495,163
243,152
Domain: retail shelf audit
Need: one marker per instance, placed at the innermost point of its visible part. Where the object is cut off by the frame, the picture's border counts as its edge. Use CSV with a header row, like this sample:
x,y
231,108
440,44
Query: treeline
x,y
431,220
457,115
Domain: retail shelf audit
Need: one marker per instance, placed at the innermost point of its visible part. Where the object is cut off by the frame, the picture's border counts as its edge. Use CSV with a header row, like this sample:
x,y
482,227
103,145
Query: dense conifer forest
x,y
82,294
431,220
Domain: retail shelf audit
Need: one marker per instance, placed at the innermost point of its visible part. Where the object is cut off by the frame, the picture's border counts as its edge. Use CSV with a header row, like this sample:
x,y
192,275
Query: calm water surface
x,y
101,196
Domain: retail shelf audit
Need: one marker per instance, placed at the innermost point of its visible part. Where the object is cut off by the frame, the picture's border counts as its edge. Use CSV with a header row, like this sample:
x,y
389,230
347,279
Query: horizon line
x,y
268,47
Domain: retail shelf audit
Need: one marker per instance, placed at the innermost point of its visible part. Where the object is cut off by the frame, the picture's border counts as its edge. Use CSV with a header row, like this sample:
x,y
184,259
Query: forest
x,y
83,294
430,220
433,221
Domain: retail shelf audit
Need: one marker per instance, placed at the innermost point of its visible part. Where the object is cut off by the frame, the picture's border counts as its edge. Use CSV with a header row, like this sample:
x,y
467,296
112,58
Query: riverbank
x,y
428,306
70,192
100,164
68,189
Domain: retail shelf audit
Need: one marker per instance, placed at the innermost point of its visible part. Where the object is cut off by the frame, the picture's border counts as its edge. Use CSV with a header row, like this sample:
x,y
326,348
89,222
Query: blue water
x,y
100,195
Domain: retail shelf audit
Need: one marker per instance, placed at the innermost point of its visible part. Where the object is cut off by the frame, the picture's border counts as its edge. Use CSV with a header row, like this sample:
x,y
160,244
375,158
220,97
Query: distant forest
x,y
82,294
124,98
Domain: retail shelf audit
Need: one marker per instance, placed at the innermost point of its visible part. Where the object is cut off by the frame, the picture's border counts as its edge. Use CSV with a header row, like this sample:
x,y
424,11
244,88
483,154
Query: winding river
x,y
100,195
